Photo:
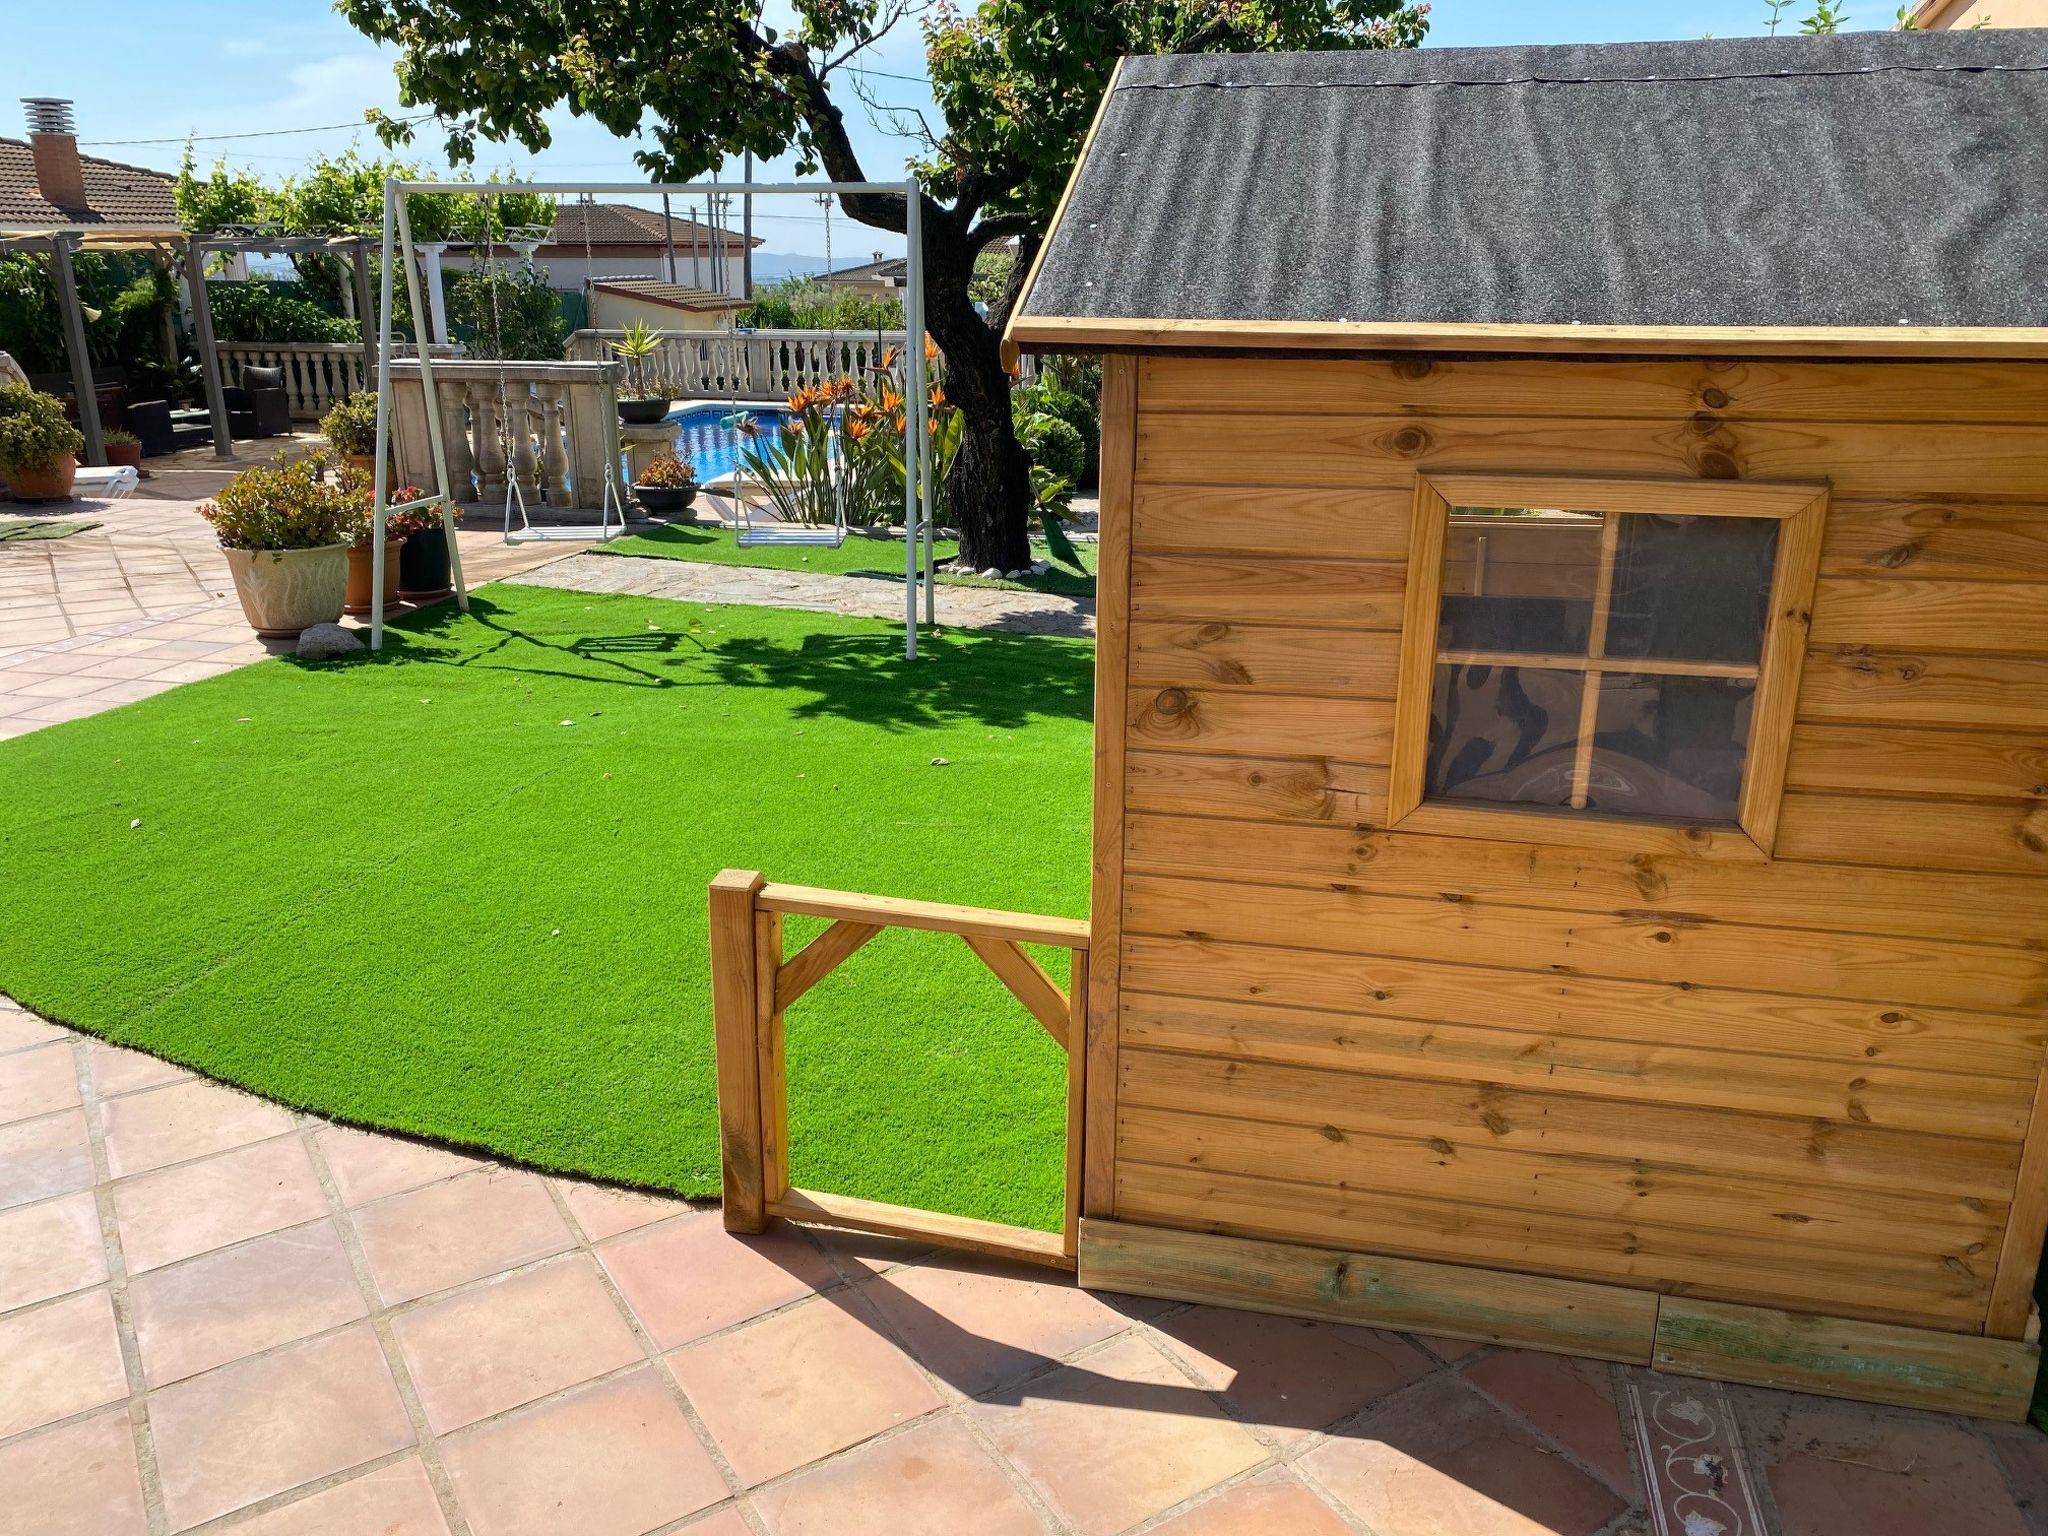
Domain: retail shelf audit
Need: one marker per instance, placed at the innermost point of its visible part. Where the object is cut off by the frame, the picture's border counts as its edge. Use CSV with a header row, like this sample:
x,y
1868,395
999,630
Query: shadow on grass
x,y
697,543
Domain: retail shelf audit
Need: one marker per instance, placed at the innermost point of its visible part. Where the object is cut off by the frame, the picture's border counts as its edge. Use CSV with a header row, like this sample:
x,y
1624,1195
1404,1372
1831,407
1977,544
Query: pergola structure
x,y
62,245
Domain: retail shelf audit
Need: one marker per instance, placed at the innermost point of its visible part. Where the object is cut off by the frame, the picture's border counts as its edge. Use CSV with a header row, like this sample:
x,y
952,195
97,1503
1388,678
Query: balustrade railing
x,y
317,374
551,427
756,365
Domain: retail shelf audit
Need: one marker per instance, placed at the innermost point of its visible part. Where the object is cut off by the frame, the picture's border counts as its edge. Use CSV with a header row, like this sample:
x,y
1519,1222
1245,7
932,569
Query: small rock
x,y
324,642
1040,567
1011,575
992,573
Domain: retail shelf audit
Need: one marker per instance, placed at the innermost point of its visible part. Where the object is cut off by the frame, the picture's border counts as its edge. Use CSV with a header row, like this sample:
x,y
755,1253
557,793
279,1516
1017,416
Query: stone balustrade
x,y
551,427
317,374
748,365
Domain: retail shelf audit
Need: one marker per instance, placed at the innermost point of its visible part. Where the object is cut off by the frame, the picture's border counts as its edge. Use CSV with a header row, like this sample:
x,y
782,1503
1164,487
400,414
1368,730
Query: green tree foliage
x,y
810,304
507,310
1017,81
125,300
260,310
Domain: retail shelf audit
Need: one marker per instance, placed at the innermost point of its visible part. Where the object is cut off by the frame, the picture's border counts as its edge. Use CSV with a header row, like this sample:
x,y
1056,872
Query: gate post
x,y
735,1021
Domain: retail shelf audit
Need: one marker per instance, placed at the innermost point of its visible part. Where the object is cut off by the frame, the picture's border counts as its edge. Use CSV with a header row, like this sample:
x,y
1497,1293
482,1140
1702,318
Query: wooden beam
x,y
931,916
1023,1244
1026,980
1077,1099
819,959
771,1070
2012,1310
1870,1362
1570,1317
71,316
735,1030
209,353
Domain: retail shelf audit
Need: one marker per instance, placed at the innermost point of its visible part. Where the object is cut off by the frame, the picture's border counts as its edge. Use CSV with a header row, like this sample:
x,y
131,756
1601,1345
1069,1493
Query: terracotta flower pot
x,y
52,482
359,573
424,574
129,454
285,590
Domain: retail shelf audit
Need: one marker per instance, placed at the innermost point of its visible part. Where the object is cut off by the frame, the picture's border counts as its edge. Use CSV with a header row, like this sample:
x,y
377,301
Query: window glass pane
x,y
1691,588
1519,580
1503,735
1670,747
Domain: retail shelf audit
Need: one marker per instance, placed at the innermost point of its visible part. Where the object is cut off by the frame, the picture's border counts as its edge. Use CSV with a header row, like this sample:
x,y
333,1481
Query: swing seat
x,y
792,533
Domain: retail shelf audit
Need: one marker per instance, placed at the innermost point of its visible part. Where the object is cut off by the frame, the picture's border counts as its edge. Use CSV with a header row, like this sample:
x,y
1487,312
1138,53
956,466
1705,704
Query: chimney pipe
x,y
53,145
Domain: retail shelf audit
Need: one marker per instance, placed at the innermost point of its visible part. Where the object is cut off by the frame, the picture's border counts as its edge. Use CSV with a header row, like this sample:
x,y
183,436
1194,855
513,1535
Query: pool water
x,y
703,437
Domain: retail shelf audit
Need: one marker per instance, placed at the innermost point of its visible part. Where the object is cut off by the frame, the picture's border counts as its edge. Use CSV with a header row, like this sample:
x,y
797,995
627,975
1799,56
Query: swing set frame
x,y
919,489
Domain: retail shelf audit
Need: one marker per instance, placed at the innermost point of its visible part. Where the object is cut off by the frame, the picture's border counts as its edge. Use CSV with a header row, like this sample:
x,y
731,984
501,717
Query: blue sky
x,y
212,67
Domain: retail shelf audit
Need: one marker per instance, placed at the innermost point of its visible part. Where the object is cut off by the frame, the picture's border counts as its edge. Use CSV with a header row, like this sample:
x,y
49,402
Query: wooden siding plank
x,y
1516,1119
1935,536
1305,788
1224,588
1531,1312
1581,1007
1884,759
1638,1072
1365,524
1925,834
2007,618
1245,723
2009,910
1862,683
1947,1372
1359,663
1024,1245
1642,946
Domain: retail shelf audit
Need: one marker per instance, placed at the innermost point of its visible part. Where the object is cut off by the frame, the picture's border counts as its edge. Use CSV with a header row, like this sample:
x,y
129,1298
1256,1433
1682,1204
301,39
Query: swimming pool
x,y
703,437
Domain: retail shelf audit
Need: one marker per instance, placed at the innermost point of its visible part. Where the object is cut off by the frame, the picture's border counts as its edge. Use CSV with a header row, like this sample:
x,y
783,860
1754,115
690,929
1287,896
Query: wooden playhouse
x,y
1571,804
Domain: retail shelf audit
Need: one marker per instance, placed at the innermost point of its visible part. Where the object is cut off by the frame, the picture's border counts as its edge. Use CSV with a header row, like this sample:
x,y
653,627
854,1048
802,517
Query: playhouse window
x,y
1610,652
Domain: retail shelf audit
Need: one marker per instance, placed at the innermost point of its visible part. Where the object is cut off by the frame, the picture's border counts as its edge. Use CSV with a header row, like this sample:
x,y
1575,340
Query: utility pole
x,y
668,236
747,232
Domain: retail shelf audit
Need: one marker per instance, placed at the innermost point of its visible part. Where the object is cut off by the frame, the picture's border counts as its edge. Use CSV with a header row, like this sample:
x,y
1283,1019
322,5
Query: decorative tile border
x,y
1692,1460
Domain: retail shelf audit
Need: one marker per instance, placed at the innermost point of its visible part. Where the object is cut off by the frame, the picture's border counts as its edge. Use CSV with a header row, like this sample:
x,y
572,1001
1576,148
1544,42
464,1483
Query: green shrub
x,y
351,426
285,505
668,473
1055,446
265,311
809,304
508,312
1077,411
34,431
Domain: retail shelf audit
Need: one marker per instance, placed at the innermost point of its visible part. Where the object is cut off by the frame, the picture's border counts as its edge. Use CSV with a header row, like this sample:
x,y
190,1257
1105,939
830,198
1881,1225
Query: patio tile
x,y
1289,1375
464,1229
261,1426
76,1480
1447,1349
603,1213
178,1123
1835,1467
1571,1401
57,711
1272,1502
726,1522
394,1500
367,1166
512,1340
193,1316
20,1029
978,1325
1117,1437
45,1157
38,1081
57,1360
61,687
2024,1454
615,1459
177,1213
690,1277
933,1480
1443,1461
49,1250
786,1390
116,1070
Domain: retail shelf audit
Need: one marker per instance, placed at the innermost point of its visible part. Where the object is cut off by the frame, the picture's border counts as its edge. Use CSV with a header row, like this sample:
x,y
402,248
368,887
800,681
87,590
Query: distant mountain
x,y
774,266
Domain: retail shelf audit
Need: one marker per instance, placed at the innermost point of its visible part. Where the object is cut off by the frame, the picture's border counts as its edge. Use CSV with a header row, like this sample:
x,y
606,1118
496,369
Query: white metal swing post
x,y
918,498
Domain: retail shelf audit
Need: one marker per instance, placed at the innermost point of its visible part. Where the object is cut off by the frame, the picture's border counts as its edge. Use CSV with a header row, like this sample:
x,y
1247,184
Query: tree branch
x,y
998,226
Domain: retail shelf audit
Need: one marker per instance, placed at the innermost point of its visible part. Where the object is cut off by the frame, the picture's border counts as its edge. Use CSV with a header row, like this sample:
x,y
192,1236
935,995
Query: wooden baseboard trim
x,y
1837,1357
1023,1244
1569,1317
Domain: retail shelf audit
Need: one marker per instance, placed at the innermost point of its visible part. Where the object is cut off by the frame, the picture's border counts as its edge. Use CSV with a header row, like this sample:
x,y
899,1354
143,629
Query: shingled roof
x,y
624,224
671,295
124,197
1863,180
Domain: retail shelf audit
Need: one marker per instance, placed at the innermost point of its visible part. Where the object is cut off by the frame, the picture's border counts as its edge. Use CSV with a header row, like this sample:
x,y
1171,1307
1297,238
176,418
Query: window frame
x,y
1802,511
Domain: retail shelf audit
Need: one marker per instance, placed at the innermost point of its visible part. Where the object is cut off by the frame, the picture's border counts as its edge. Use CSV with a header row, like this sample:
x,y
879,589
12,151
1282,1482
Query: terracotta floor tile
x,y
779,1393
615,1459
978,1325
1289,1375
512,1340
933,1480
1443,1461
117,1071
176,1213
59,1359
37,1081
2024,1455
20,1029
75,1480
1571,1401
193,1316
1447,1349
261,1426
49,1250
1117,1437
726,1522
394,1500
603,1213
467,1228
368,1167
1842,1467
690,1277
1272,1504
45,1157
177,1123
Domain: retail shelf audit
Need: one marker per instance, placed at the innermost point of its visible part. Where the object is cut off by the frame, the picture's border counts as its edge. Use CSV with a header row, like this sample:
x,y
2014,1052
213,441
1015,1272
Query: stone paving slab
x,y
275,1326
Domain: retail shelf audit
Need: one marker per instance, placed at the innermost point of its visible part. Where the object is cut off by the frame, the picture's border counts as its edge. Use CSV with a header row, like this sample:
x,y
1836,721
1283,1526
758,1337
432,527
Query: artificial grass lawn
x,y
857,556
459,890
19,528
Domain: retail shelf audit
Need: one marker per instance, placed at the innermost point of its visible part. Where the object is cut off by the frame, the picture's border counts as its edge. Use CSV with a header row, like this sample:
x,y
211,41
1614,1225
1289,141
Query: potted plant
x,y
39,446
424,572
634,348
351,428
285,529
667,486
122,448
362,550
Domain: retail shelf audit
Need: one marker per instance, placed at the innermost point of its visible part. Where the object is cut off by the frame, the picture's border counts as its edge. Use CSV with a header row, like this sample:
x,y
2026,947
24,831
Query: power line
x,y
263,133
857,69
